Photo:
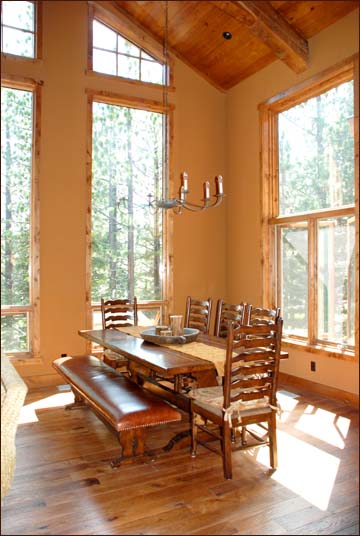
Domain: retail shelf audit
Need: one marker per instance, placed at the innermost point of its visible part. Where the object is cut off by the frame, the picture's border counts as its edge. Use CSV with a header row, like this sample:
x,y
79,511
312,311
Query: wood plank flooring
x,y
64,484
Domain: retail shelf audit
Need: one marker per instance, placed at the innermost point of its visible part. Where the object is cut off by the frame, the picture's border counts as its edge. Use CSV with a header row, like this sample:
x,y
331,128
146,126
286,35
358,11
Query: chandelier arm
x,y
178,210
189,204
194,208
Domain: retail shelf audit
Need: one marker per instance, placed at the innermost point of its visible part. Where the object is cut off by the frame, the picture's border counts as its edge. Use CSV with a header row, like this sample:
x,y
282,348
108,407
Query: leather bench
x,y
125,407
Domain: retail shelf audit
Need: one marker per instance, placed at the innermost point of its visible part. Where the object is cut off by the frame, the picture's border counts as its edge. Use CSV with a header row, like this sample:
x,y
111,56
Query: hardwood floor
x,y
64,484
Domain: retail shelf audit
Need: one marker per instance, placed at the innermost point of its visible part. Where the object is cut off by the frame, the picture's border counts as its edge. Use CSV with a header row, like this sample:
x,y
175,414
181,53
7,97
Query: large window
x,y
18,28
127,247
19,224
309,211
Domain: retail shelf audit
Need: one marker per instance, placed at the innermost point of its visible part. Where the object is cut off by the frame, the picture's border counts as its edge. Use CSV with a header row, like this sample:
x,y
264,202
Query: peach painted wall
x,y
199,147
334,44
199,238
214,133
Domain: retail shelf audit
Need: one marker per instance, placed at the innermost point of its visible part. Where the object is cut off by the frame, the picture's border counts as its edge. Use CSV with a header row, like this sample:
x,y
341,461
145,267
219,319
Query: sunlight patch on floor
x,y
287,404
304,469
324,425
28,411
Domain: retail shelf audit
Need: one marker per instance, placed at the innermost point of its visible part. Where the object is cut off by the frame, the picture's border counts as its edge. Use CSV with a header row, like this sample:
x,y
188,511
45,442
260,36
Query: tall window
x,y
115,55
309,209
126,232
19,232
18,28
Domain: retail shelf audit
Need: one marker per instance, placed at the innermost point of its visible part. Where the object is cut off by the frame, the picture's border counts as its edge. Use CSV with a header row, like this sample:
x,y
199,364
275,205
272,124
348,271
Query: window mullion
x,y
278,266
312,281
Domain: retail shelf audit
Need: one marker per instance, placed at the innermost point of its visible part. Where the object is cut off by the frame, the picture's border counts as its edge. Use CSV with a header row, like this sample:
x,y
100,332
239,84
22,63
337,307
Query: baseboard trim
x,y
325,390
43,380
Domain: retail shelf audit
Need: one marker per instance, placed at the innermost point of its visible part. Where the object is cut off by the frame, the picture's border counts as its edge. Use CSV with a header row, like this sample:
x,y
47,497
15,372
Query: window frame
x,y
38,32
121,24
33,309
166,303
269,112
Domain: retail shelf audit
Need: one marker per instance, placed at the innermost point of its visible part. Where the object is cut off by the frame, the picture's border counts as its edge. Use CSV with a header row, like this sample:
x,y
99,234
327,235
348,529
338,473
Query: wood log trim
x,y
319,83
124,100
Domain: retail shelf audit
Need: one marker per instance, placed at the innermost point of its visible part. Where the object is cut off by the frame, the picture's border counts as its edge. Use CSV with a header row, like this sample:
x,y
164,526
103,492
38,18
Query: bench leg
x,y
133,446
79,401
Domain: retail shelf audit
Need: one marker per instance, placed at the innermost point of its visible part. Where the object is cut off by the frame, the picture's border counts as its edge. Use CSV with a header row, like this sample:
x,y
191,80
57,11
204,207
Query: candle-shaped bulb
x,y
206,190
219,185
184,181
182,193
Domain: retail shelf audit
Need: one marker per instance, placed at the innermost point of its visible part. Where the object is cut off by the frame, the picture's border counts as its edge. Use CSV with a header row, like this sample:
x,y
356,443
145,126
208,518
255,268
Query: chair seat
x,y
247,396
211,399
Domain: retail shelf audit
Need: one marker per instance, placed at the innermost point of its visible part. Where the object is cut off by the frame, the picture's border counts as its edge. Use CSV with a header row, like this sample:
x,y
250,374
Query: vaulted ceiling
x,y
261,31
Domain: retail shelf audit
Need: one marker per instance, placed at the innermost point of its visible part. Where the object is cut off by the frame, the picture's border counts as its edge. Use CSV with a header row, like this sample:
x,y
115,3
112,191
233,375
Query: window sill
x,y
24,358
328,351
23,59
132,81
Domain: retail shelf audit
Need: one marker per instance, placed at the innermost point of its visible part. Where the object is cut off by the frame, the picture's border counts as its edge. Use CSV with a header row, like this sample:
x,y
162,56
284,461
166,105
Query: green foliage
x,y
294,289
316,152
126,233
316,171
16,161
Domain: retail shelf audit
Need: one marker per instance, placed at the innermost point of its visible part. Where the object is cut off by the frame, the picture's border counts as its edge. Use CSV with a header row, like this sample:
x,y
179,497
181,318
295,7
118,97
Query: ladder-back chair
x,y
261,315
238,313
247,397
198,314
118,314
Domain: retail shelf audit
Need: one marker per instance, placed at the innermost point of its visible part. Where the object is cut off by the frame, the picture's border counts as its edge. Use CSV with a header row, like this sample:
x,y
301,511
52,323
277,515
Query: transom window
x,y
18,35
309,247
115,55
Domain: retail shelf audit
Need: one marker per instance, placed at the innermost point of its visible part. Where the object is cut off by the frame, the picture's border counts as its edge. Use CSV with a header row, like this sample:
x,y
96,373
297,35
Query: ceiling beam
x,y
264,22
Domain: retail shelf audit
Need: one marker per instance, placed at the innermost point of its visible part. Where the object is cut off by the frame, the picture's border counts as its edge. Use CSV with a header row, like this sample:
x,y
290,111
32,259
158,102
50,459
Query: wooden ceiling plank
x,y
263,21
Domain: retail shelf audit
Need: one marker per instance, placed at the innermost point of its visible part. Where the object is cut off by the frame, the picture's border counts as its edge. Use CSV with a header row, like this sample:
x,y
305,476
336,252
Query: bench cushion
x,y
123,403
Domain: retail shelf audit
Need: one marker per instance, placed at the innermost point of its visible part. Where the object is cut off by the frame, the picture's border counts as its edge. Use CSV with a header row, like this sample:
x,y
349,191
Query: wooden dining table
x,y
160,369
164,370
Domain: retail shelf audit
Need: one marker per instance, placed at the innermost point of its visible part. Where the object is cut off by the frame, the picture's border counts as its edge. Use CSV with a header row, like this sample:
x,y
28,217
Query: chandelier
x,y
178,204
181,202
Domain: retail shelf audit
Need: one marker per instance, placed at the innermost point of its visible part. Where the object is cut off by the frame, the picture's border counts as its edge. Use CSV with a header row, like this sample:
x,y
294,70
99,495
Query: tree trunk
x,y
113,245
9,269
157,228
130,196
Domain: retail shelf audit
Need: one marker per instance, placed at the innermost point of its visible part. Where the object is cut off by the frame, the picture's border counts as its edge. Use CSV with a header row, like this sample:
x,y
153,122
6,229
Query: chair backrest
x,y
260,315
118,313
198,314
252,363
238,313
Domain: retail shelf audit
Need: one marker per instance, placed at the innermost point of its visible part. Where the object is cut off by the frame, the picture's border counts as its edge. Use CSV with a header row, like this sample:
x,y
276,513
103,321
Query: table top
x,y
164,360
161,359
